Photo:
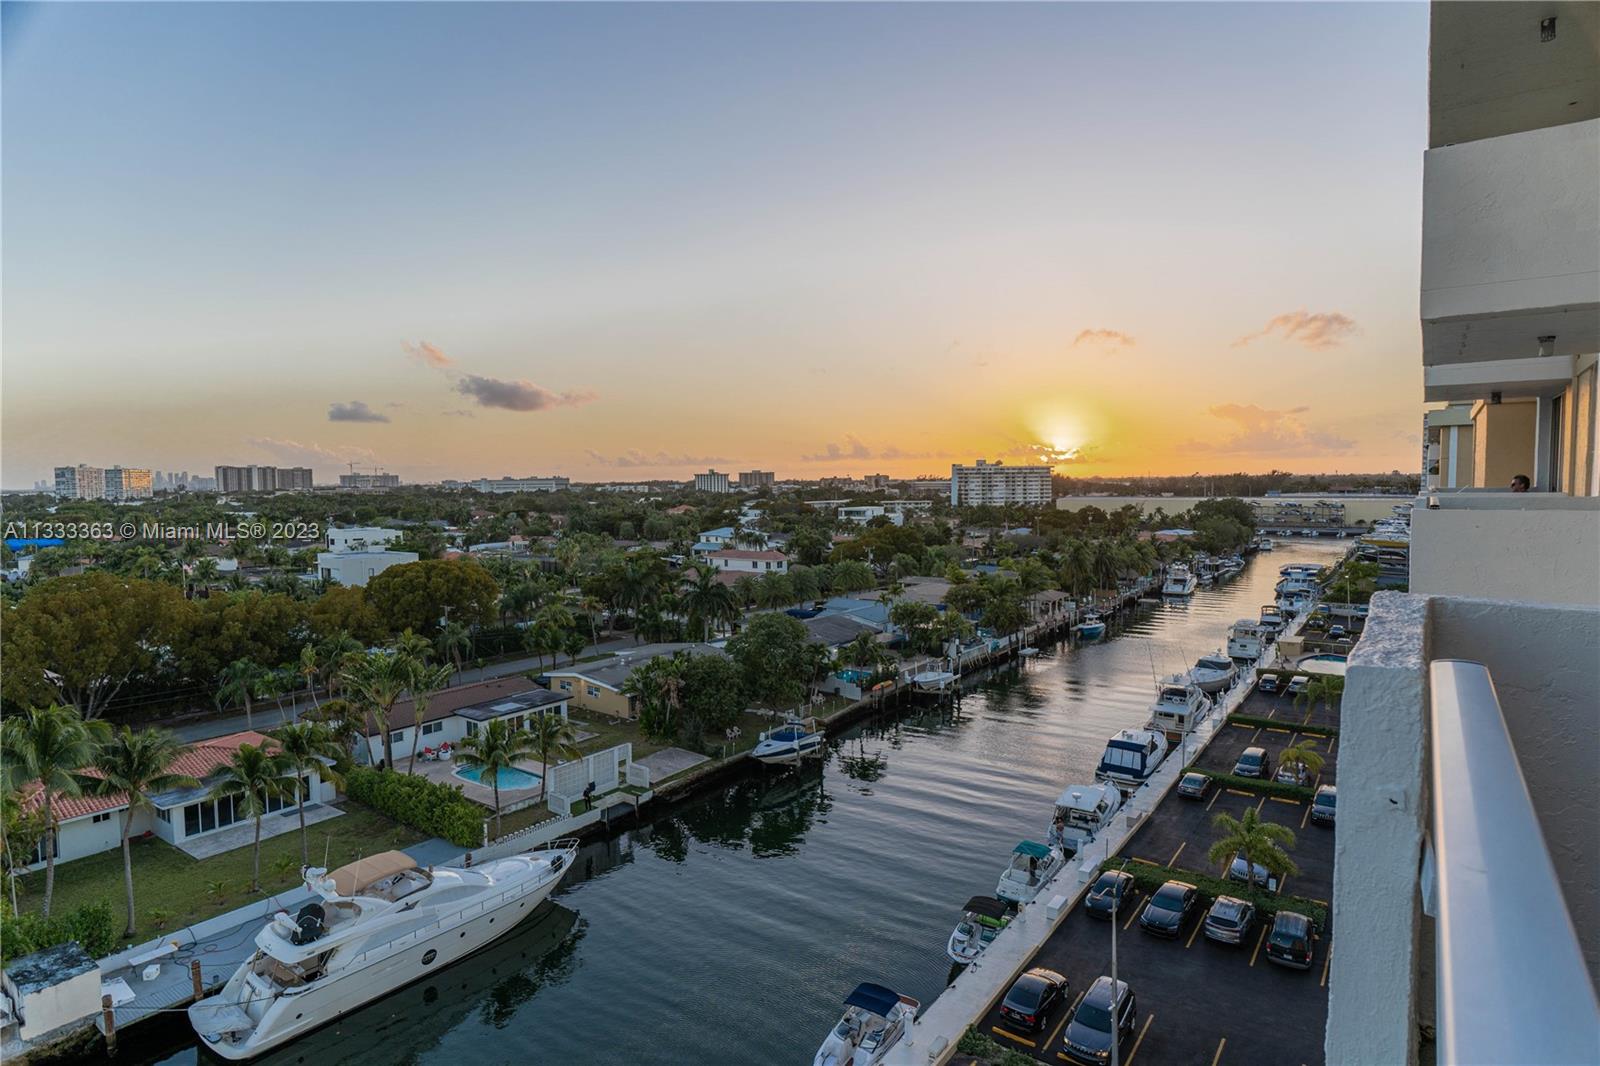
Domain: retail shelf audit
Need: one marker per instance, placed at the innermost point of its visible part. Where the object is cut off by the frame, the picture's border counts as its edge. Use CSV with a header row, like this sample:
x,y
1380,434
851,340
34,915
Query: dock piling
x,y
108,1018
194,977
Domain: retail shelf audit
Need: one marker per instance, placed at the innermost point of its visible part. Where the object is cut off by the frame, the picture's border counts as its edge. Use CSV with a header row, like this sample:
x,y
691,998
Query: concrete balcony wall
x,y
1533,546
1511,245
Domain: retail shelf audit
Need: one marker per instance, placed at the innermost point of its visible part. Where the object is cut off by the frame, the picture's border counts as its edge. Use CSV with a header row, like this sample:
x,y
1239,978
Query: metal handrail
x,y
1513,985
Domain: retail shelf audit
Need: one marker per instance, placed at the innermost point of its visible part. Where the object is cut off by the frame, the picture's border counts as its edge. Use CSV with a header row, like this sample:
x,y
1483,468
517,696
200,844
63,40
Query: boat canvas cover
x,y
987,907
1032,850
352,879
874,999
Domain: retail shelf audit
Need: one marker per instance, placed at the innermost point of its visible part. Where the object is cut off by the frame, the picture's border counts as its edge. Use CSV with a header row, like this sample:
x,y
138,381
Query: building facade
x,y
513,484
711,481
739,562
369,481
359,567
128,483
80,482
360,538
757,479
263,478
998,484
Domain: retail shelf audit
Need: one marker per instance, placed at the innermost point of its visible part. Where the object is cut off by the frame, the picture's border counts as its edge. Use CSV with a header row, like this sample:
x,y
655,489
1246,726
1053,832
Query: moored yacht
x,y
875,1018
382,923
1093,627
1086,810
1180,705
1031,866
1272,618
789,743
933,680
1214,673
1131,757
1248,639
981,921
1180,581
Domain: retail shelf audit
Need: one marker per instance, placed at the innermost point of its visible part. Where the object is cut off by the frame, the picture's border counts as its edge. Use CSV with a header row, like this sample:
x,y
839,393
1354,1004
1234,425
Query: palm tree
x,y
554,738
49,745
453,641
239,681
1321,689
304,747
310,669
708,601
134,765
204,572
413,647
1259,843
1304,755
425,681
375,681
334,650
495,747
252,778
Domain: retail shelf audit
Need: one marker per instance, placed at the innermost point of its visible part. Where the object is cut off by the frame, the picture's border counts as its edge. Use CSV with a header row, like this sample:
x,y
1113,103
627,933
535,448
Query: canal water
x,y
729,929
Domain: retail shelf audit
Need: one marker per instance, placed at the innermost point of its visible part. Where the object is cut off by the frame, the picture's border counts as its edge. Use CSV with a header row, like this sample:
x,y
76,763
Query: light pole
x,y
1116,1019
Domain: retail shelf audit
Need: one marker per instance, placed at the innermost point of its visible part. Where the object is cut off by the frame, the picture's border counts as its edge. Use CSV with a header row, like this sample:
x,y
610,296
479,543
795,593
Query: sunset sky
x,y
624,242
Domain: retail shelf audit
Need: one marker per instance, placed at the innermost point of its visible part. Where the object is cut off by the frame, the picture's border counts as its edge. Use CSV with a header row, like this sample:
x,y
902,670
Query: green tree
x,y
554,740
240,682
708,601
302,749
768,652
1302,754
49,745
346,609
453,642
915,619
1261,843
375,681
426,680
133,765
252,778
713,697
419,595
658,687
494,747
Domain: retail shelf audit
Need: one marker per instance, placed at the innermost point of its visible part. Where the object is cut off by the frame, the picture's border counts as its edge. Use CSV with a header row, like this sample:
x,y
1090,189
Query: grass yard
x,y
166,879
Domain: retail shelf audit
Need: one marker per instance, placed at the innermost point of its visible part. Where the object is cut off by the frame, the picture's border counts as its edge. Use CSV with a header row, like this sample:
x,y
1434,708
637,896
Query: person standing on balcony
x,y
1520,483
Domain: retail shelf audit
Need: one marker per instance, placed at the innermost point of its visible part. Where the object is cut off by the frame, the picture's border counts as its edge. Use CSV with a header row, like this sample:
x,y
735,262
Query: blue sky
x,y
670,235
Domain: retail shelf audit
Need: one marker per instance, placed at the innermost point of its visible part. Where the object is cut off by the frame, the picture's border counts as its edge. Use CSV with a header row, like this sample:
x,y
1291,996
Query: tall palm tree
x,y
554,738
1323,690
413,647
252,778
495,747
453,642
333,652
1303,754
425,681
310,669
708,601
375,682
134,765
49,745
239,682
1260,843
204,572
302,748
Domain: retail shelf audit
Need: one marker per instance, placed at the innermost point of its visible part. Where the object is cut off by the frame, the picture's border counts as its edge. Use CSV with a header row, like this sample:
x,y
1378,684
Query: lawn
x,y
166,879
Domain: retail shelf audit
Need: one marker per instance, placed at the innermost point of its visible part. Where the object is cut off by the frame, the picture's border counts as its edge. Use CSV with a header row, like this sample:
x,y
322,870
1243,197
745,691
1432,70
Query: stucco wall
x,y
1535,547
1502,442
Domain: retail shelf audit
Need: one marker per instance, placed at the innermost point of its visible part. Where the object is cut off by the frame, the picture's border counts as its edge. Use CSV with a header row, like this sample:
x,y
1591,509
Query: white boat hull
x,y
787,753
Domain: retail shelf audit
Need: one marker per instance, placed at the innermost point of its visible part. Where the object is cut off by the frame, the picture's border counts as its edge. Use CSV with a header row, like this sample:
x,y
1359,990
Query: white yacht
x,y
789,743
1093,627
1248,639
1214,673
981,921
1086,810
875,1018
1294,597
933,680
1272,618
382,923
1180,705
1180,581
1131,757
1032,866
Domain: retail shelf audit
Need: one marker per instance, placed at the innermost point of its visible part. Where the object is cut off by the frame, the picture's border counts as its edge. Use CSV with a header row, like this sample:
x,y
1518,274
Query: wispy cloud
x,y
354,411
1104,338
1038,452
309,453
516,395
459,413
1259,431
1323,329
852,448
428,354
635,458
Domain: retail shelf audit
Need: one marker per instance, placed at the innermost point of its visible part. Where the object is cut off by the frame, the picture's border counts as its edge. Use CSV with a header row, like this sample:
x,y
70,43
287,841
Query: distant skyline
x,y
628,242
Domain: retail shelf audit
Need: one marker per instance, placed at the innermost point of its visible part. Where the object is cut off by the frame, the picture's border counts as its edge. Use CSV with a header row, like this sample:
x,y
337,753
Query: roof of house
x,y
725,532
746,553
613,672
49,967
835,629
470,701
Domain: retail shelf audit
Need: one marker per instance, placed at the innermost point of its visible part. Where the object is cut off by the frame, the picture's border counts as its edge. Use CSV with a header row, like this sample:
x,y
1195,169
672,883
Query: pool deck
x,y
443,772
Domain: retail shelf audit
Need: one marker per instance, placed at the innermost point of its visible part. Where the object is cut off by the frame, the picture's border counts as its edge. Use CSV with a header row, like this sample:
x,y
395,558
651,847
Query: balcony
x,y
1511,252
1538,546
1467,876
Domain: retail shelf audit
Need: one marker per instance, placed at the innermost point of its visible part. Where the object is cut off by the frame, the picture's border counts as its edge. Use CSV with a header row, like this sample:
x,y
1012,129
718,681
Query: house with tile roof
x,y
88,824
454,714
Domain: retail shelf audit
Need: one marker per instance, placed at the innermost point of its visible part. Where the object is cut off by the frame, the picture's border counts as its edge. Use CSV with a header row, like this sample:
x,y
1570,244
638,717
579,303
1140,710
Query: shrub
x,y
1150,877
430,808
1274,723
91,925
1257,785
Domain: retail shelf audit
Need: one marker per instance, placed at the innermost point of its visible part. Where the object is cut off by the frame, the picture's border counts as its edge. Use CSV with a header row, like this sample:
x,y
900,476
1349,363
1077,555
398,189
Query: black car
x,y
1253,763
1290,942
1169,908
1091,1029
1325,806
1109,894
1032,996
1194,786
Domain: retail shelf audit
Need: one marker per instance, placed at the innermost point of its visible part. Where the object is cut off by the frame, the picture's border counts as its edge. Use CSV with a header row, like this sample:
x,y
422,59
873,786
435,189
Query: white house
x,y
713,539
90,824
360,538
359,567
457,713
861,514
742,561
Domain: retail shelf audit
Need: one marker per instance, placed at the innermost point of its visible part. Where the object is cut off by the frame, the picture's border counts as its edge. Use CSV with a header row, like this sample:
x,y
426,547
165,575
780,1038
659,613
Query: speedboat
x,y
1131,757
981,921
382,922
1031,866
1093,627
875,1018
1214,673
933,680
1029,652
789,743
1179,706
1248,639
1086,810
1180,581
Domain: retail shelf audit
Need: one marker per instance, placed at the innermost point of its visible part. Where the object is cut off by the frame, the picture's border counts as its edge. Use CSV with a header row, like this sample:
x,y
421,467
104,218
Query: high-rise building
x,y
757,479
997,483
294,479
711,481
513,484
128,483
369,481
876,482
262,478
81,482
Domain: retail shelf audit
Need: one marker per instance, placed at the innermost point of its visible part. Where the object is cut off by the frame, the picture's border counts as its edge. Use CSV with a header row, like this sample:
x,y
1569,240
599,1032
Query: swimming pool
x,y
509,777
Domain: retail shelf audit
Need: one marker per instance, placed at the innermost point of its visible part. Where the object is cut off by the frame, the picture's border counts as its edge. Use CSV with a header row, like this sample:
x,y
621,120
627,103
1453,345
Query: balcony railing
x,y
1512,982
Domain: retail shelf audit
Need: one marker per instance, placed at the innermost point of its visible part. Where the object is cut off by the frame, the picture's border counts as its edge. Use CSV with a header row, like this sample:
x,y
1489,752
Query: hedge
x,y
1150,877
1256,785
91,925
988,1050
1278,723
430,808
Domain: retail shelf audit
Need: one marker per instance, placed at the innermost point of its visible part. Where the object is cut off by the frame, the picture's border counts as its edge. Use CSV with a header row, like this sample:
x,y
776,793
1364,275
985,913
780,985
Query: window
x,y
430,728
398,735
566,686
164,814
472,729
104,816
592,692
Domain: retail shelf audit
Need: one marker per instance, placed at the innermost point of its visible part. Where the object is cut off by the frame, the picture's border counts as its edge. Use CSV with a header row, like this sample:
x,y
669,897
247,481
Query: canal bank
x,y
727,926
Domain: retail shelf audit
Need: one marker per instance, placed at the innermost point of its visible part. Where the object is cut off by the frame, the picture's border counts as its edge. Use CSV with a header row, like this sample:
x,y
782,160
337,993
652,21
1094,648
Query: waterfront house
x,y
597,686
734,563
457,713
713,540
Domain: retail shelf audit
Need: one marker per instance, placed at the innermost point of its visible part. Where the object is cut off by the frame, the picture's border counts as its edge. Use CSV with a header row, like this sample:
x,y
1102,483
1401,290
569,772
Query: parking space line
x,y
1197,927
1305,817
1218,1056
1012,1036
1280,799
1256,737
1259,940
1240,725
1262,804
1327,960
1275,729
1135,913
1214,796
1282,883
1070,1012
1148,1018
1174,860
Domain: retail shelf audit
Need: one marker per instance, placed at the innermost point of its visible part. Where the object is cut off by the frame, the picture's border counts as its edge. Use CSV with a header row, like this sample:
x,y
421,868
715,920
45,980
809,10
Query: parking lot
x,y
1200,1001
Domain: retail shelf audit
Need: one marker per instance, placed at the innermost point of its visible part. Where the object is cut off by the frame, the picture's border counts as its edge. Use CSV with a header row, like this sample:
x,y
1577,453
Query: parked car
x,y
1032,996
1337,632
1109,894
1254,762
1194,786
1290,941
1268,683
1324,805
1292,773
1169,908
1240,870
1297,684
1091,1029
1229,919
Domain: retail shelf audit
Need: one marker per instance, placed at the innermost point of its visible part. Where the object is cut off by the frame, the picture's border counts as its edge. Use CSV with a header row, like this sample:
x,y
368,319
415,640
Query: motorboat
x,y
1029,652
1214,673
378,923
1248,639
1032,866
1293,601
1180,581
1086,810
875,1018
981,921
1265,544
789,743
1180,705
1205,570
1131,757
1093,627
933,680
1272,618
